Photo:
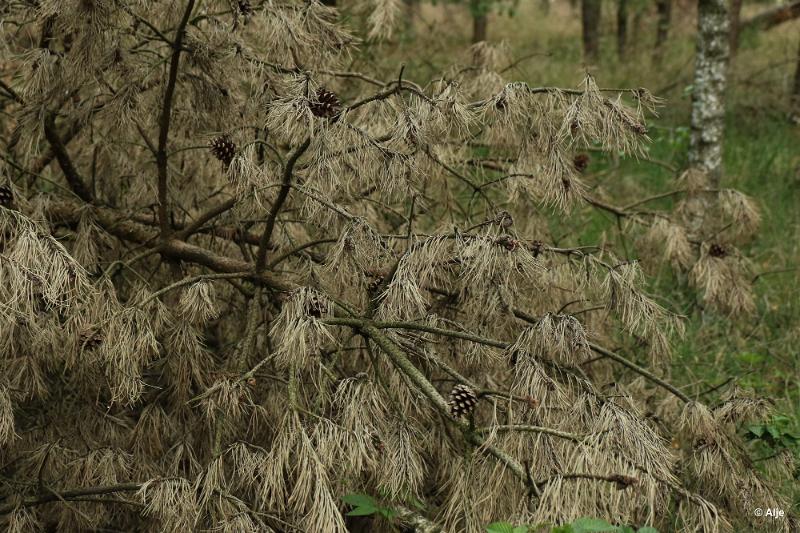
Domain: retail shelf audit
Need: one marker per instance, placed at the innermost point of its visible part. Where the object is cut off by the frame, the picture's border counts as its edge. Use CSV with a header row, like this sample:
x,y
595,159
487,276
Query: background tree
x,y
479,9
708,90
248,285
796,88
591,14
622,28
663,21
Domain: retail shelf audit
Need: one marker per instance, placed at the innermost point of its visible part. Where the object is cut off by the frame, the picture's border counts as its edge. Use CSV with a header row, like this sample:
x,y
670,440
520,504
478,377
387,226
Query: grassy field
x,y
762,159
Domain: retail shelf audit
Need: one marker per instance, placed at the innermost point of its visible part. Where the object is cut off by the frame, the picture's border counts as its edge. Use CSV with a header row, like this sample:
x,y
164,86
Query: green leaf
x,y
358,500
387,513
758,430
500,527
363,510
647,529
586,525
520,529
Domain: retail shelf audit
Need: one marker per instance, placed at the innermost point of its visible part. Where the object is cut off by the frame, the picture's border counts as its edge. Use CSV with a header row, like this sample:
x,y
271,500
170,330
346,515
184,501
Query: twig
x,y
164,121
283,193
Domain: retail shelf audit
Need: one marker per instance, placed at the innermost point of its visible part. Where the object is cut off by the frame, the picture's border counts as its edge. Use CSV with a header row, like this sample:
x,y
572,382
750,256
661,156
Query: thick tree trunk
x,y
736,13
663,16
708,95
622,28
479,23
590,16
480,12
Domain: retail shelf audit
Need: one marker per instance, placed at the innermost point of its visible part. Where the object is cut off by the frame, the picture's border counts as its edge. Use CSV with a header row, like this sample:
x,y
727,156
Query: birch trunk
x,y
708,96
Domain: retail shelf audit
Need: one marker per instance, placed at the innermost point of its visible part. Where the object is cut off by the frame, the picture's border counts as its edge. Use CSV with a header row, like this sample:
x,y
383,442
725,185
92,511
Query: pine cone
x,y
581,162
462,400
223,149
245,8
507,242
6,197
717,250
326,105
504,219
536,248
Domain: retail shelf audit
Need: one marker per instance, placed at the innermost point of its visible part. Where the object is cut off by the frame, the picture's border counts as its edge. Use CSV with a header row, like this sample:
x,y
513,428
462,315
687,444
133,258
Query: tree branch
x,y
286,185
68,495
164,121
74,179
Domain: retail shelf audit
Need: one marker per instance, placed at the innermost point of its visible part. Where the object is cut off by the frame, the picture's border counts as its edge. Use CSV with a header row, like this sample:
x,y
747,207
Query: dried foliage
x,y
238,281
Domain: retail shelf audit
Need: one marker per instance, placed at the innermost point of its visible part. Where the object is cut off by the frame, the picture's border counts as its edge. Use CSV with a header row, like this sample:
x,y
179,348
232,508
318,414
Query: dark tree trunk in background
x,y
796,90
663,16
622,28
590,16
736,13
708,95
479,23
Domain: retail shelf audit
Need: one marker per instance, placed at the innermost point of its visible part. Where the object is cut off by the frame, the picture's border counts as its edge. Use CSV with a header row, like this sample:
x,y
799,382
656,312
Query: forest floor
x,y
761,158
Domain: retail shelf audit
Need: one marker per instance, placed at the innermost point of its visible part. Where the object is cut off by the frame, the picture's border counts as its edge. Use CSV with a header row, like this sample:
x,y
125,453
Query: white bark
x,y
708,95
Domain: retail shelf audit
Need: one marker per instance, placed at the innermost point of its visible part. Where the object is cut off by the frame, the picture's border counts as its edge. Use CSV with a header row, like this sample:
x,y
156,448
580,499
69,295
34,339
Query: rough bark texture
x,y
708,96
664,13
622,28
590,14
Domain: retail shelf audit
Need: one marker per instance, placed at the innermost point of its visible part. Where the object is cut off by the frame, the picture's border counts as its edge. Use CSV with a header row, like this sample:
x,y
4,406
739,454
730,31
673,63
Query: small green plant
x,y
776,434
365,505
